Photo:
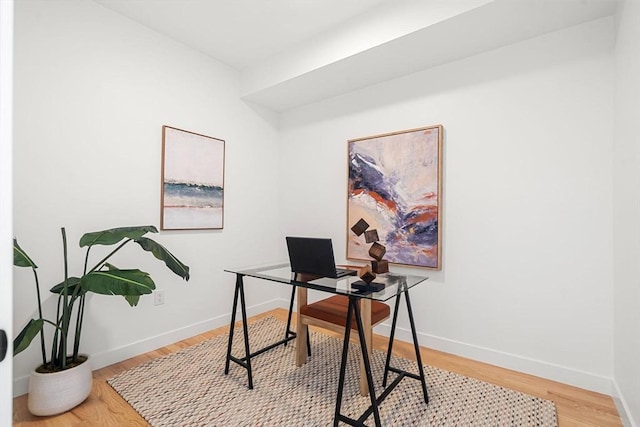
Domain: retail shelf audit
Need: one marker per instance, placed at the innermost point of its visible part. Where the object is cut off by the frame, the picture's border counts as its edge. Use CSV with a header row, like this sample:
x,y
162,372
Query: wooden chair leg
x,y
302,330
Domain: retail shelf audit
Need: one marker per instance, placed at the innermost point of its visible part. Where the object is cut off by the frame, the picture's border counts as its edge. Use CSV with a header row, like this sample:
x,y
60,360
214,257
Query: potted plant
x,y
48,393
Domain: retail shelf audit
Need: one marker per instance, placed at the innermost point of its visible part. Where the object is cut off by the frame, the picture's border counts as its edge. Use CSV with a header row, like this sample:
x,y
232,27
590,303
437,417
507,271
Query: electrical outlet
x,y
158,297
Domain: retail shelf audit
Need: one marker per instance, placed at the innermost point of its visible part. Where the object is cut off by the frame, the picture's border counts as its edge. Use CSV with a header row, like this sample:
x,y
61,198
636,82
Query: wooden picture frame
x,y
192,196
395,189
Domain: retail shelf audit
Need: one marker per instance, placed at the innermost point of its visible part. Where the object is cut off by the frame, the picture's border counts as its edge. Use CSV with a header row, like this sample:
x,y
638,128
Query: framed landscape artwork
x,y
192,181
394,193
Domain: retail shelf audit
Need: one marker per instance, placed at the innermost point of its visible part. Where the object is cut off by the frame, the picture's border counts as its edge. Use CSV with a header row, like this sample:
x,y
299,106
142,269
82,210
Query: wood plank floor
x,y
104,407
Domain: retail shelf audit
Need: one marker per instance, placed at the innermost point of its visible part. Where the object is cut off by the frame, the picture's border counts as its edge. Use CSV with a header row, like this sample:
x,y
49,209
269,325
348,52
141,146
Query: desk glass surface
x,y
394,284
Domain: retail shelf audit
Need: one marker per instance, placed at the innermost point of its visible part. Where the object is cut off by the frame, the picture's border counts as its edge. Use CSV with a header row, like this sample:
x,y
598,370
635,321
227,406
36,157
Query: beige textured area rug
x,y
189,388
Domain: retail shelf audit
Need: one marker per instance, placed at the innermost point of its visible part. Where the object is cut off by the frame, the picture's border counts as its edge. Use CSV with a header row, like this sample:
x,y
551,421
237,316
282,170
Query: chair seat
x,y
334,310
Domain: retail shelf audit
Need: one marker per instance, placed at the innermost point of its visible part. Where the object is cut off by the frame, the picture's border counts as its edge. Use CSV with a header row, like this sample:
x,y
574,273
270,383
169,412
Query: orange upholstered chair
x,y
330,313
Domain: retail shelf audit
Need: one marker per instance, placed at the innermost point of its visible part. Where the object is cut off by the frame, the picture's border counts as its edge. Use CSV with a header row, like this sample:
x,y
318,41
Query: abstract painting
x,y
192,181
395,187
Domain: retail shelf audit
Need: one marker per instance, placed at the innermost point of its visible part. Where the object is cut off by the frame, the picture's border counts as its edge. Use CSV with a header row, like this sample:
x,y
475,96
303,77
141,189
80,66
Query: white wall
x,y
527,276
92,91
6,197
627,213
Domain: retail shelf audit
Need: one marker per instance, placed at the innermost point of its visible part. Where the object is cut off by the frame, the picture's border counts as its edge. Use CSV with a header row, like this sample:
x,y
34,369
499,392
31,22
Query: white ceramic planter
x,y
51,394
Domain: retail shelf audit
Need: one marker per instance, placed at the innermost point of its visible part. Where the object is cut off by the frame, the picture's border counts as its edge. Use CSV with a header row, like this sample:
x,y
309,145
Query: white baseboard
x,y
100,360
623,408
538,368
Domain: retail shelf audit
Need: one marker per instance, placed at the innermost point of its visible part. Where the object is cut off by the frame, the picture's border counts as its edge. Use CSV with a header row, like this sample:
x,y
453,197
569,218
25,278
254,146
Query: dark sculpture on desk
x,y
376,251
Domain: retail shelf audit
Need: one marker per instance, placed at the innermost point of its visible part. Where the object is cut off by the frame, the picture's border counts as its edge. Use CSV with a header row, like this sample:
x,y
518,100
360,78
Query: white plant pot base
x,y
51,394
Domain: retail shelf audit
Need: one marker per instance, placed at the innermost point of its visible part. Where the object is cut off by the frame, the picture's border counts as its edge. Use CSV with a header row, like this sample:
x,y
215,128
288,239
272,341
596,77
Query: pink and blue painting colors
x,y
395,186
192,181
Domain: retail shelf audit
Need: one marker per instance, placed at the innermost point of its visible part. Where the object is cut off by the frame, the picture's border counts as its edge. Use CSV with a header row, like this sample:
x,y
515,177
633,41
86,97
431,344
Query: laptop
x,y
314,255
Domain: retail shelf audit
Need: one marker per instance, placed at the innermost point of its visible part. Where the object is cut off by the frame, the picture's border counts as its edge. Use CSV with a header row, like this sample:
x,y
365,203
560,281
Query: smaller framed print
x,y
192,181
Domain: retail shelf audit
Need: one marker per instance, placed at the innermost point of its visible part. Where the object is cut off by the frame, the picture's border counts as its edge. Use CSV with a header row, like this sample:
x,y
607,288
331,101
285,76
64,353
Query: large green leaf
x,y
114,235
72,283
20,257
28,333
132,299
118,282
163,254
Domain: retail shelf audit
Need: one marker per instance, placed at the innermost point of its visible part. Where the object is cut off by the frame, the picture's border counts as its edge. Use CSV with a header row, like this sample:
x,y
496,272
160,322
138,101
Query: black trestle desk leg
x,y
287,332
365,358
245,329
416,346
391,336
343,366
232,324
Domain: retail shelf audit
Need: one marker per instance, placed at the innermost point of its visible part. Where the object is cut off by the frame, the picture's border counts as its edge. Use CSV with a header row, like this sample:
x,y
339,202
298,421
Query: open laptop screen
x,y
312,255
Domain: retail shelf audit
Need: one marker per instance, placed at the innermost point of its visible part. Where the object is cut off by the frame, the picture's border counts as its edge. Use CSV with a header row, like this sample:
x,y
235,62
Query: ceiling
x,y
293,52
241,33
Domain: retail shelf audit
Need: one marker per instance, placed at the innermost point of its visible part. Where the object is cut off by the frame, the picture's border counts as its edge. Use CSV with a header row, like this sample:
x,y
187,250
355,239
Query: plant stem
x,y
86,261
65,309
80,318
102,261
56,334
76,339
44,354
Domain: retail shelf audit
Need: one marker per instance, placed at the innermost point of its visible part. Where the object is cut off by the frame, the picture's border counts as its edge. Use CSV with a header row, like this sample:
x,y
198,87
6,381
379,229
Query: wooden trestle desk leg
x,y
302,331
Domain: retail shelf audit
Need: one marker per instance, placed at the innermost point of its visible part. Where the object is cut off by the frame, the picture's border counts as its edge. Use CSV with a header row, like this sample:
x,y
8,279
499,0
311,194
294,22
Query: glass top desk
x,y
394,285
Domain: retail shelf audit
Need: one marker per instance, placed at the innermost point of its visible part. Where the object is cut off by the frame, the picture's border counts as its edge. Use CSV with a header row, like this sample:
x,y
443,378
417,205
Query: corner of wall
x,y
623,407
